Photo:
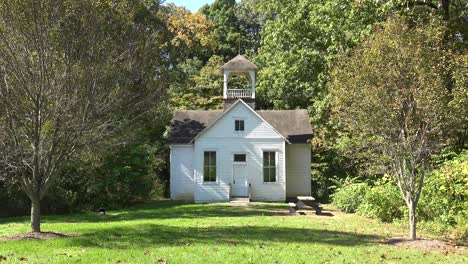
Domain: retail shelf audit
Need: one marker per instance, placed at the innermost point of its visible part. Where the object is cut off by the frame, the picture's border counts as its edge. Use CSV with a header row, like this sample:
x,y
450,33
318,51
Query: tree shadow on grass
x,y
161,210
150,235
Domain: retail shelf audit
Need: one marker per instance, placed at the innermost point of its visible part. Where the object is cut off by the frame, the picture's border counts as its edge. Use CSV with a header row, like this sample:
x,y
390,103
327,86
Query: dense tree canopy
x,y
299,45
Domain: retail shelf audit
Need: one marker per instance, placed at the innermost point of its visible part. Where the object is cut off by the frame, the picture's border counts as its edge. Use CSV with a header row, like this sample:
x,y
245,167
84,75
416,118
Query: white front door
x,y
240,185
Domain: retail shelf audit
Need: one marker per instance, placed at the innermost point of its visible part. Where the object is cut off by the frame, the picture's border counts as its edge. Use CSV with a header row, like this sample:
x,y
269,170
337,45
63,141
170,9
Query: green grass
x,y
214,233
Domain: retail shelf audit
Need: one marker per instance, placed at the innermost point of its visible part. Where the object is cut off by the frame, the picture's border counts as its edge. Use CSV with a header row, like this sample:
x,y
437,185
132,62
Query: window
x,y
209,166
239,125
269,166
240,157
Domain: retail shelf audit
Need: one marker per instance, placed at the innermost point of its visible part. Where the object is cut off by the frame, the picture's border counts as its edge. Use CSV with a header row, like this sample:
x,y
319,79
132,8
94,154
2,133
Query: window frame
x,y
241,122
269,167
215,166
239,153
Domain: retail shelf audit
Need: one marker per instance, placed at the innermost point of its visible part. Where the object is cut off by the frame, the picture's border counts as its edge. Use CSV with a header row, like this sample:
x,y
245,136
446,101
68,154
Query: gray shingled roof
x,y
292,124
239,63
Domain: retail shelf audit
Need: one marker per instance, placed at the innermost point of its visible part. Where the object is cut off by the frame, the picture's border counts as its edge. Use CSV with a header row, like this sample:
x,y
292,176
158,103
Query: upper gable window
x,y
239,125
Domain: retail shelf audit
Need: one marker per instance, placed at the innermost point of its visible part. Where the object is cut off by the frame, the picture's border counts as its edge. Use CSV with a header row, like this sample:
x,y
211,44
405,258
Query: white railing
x,y
239,93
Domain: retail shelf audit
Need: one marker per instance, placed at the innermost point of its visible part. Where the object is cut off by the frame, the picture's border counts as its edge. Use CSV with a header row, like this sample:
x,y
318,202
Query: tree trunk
x,y
445,6
35,215
412,220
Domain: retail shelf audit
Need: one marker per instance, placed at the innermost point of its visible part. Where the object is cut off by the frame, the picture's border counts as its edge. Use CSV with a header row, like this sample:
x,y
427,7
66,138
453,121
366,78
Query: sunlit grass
x,y
214,233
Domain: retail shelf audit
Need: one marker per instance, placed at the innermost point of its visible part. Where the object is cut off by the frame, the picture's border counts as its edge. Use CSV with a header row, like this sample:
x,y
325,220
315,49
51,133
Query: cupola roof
x,y
239,63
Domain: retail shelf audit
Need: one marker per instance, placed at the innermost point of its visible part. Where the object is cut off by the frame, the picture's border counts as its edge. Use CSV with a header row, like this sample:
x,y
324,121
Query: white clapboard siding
x,y
211,192
182,185
254,127
256,138
298,170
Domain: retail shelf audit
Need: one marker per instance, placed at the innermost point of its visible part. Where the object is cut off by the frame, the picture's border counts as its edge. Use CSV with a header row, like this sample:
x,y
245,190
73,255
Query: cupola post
x,y
239,66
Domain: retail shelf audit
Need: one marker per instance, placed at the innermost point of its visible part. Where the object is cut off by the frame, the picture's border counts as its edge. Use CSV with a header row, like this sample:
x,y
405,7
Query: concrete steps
x,y
239,200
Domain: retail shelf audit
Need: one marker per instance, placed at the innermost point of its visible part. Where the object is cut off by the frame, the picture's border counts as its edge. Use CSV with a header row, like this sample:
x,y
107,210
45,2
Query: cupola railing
x,y
239,93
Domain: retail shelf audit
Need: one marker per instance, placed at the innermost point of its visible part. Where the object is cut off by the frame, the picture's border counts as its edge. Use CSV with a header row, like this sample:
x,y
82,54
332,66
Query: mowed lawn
x,y
170,232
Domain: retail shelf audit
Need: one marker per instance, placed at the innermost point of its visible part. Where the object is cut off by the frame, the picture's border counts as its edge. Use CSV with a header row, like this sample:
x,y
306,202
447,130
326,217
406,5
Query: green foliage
x,y
226,26
445,193
301,42
383,201
102,75
196,86
370,88
326,173
252,20
350,196
442,207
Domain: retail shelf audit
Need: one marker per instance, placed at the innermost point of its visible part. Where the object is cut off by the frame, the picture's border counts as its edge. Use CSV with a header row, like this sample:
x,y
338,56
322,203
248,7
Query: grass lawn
x,y
161,232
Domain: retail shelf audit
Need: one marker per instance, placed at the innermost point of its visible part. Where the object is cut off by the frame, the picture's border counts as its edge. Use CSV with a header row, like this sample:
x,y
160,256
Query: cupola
x,y
239,66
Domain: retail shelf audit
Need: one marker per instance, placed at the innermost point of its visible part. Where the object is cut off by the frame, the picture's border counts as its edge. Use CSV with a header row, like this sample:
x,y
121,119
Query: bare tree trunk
x,y
35,215
412,220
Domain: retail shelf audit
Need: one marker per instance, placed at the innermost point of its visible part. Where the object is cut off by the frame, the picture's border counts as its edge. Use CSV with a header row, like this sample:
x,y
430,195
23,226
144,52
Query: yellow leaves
x,y
191,29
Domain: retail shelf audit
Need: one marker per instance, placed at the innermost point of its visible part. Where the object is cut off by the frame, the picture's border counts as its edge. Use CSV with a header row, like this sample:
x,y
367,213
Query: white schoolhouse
x,y
262,155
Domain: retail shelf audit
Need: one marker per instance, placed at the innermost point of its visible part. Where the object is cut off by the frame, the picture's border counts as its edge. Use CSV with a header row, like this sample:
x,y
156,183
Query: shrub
x,y
445,192
383,201
443,198
349,197
112,179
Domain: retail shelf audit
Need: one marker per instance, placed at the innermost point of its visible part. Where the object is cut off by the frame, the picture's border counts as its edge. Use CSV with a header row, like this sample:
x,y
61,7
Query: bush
x,y
111,179
349,197
443,198
441,208
383,201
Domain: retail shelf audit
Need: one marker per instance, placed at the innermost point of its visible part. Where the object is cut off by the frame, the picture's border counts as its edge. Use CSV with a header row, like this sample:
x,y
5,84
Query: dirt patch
x,y
424,244
36,236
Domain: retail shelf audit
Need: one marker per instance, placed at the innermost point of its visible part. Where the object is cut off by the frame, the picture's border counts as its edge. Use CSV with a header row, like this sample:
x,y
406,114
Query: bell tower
x,y
239,66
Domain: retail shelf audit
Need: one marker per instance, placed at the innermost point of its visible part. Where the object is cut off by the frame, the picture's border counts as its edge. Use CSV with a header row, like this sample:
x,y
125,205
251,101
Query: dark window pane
x,y
272,159
266,175
239,125
272,174
206,158
240,157
209,167
213,158
206,175
269,166
213,173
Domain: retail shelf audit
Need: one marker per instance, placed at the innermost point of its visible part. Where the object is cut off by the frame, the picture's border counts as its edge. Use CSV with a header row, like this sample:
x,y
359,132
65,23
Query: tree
x,y
301,42
226,26
391,98
72,74
448,9
197,86
252,20
191,34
